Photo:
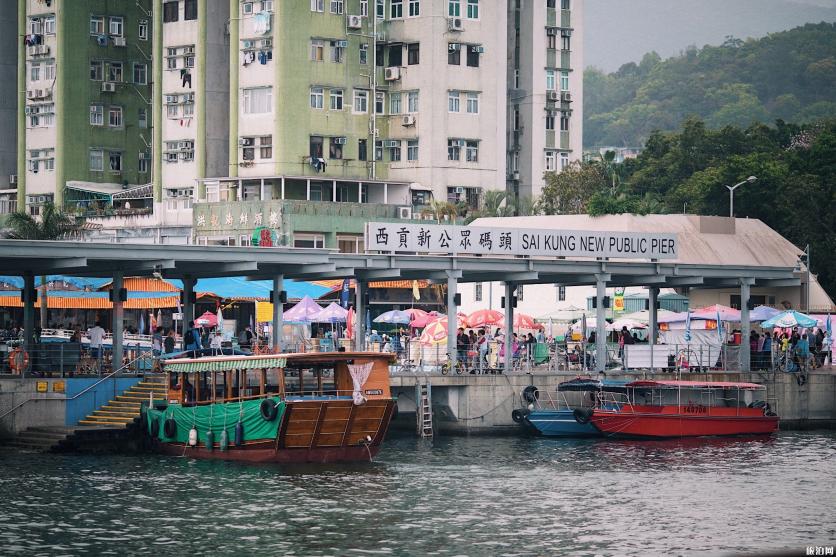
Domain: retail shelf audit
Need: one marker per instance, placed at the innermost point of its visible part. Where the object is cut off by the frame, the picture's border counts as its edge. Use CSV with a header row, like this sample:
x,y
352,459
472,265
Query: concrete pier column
x,y
452,308
509,325
29,312
600,323
118,320
360,304
188,306
278,309
745,356
654,313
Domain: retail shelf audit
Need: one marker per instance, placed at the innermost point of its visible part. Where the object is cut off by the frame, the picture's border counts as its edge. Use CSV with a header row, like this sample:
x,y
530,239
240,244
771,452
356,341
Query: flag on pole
x,y
152,321
344,292
688,327
349,323
415,292
720,334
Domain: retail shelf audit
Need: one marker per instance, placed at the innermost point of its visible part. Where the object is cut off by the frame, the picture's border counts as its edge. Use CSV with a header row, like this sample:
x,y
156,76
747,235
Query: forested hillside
x,y
789,75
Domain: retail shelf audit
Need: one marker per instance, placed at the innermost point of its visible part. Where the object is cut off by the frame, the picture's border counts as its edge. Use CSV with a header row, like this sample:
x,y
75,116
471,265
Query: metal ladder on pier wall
x,y
424,409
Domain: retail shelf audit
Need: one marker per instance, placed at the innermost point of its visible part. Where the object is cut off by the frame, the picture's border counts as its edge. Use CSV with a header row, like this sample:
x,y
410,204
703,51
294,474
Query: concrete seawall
x,y
482,404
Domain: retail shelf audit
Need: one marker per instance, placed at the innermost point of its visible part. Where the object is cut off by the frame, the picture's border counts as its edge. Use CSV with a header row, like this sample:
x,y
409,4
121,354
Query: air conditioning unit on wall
x,y
355,22
404,212
408,120
455,24
392,74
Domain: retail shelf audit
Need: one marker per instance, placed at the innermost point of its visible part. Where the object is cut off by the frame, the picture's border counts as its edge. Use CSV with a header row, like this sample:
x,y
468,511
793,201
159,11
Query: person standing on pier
x,y
97,335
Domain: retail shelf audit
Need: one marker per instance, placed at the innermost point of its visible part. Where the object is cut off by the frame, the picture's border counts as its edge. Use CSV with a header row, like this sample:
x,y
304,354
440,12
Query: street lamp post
x,y
731,189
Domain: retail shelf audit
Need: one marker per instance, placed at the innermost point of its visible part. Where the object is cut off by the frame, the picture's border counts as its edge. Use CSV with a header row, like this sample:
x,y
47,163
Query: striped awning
x,y
223,364
55,301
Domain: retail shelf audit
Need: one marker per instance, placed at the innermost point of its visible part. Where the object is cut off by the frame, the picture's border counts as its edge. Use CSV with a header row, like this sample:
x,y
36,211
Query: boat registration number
x,y
374,392
695,409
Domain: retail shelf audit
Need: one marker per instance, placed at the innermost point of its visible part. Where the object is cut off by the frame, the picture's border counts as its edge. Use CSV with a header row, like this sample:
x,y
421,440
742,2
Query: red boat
x,y
685,409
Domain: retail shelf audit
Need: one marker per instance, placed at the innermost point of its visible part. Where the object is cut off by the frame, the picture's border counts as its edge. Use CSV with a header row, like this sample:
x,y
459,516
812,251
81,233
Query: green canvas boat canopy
x,y
223,364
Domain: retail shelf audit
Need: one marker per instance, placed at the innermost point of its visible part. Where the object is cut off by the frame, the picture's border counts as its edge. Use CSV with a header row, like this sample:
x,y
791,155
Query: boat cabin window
x,y
310,381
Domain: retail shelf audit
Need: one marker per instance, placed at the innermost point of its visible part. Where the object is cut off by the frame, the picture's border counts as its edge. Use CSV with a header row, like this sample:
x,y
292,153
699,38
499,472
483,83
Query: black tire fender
x,y
268,410
170,427
519,415
531,394
582,415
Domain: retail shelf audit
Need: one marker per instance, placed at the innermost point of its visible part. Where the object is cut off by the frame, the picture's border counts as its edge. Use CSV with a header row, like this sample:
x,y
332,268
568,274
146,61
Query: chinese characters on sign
x,y
448,239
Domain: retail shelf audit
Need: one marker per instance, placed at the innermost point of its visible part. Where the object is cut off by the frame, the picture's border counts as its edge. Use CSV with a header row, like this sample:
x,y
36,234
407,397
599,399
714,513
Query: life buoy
x,y
582,415
531,394
170,427
519,415
19,360
268,410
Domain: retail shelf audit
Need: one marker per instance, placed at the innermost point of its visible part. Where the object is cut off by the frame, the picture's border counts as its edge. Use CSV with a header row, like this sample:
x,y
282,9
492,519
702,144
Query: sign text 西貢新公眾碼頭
x,y
450,239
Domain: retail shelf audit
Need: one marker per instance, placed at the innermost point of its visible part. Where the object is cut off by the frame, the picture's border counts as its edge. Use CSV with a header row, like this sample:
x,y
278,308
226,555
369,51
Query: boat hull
x,y
266,452
662,422
560,423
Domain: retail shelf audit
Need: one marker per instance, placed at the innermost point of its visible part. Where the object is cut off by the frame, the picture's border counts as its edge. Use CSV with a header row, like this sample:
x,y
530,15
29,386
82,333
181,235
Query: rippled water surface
x,y
453,496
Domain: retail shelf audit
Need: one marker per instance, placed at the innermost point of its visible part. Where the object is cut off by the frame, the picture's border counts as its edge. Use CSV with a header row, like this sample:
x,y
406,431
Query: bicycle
x,y
445,367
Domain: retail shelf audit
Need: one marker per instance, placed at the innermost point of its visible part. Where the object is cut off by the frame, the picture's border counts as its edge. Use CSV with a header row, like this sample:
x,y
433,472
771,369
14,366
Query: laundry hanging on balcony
x,y
262,23
318,164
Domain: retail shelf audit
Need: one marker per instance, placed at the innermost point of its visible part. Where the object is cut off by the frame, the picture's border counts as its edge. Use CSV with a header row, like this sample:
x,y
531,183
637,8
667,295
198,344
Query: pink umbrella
x,y
484,317
208,319
303,312
726,313
417,317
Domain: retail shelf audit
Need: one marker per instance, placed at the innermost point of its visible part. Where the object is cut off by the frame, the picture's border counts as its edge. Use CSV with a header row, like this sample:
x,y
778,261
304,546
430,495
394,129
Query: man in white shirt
x,y
96,337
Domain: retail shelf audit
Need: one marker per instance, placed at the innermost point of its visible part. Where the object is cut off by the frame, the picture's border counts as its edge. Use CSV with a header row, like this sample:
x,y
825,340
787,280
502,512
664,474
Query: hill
x,y
790,75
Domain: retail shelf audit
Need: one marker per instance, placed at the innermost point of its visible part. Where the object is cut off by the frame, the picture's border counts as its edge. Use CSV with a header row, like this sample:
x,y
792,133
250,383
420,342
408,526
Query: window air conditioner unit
x,y
246,142
355,22
459,190
455,24
31,94
338,140
478,49
515,175
566,33
108,87
551,31
341,44
171,99
566,96
267,43
392,143
119,41
404,212
453,47
392,74
247,44
553,96
408,120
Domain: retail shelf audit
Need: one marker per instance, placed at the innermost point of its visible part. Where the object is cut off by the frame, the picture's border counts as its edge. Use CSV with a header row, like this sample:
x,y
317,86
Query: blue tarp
x,y
239,287
78,282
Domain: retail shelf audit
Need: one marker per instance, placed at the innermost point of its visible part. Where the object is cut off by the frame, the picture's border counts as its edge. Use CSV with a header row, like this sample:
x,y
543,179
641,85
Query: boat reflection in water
x,y
317,407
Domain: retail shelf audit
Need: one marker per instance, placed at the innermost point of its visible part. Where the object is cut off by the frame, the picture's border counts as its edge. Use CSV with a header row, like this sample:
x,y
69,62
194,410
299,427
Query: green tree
x,y
569,191
52,224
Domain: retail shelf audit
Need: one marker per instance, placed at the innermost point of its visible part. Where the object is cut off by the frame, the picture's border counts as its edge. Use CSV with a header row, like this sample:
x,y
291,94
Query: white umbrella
x,y
631,324
220,319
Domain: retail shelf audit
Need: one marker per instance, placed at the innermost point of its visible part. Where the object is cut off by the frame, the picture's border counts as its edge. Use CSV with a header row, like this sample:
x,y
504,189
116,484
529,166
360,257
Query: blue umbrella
x,y
393,316
789,319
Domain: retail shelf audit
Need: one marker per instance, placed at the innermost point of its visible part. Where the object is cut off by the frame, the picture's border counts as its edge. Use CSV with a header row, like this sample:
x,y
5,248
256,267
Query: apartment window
x,y
364,54
551,3
315,146
378,150
350,244
317,5
171,12
143,118
477,292
473,56
364,8
114,71
248,152
171,61
361,101
35,71
454,54
379,10
140,74
561,293
516,78
247,8
115,161
142,30
452,101
337,52
564,121
317,97
188,62
379,59
412,150
550,161
336,99
396,9
190,9
472,9
142,166
566,42
188,110
362,153
117,26
35,26
380,102
472,151
335,147
564,81
395,151
412,101
473,103
413,54
172,110
396,55
454,150
550,120
414,8
49,25
550,85
267,5
308,241
97,160
517,122
49,70
96,72
519,292
394,102
114,117
551,41
97,25
258,100
564,160
317,51
454,8
265,147
564,4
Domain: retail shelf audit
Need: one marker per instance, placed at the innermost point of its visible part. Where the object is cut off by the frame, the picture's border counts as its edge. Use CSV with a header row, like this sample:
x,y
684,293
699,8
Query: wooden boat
x,y
556,417
685,409
313,407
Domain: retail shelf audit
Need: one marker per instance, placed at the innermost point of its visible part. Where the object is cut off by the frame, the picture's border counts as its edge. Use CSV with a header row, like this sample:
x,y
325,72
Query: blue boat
x,y
557,418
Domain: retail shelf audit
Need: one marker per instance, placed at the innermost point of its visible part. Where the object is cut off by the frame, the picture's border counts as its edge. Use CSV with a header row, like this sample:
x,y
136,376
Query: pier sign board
x,y
449,239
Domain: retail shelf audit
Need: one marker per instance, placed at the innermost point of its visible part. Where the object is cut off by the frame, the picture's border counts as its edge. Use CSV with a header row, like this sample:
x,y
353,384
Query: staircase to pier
x,y
123,410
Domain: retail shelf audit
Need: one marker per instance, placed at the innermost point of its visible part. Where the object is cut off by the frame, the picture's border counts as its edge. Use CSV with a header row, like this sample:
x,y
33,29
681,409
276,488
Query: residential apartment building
x,y
545,90
8,108
389,103
83,87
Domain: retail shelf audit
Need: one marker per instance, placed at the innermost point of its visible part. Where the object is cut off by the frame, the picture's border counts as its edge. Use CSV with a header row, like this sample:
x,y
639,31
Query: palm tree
x,y
53,224
440,209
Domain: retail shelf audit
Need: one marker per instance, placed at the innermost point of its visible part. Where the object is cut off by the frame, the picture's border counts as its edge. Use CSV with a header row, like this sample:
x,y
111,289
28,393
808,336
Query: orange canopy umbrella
x,y
484,318
523,321
436,331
